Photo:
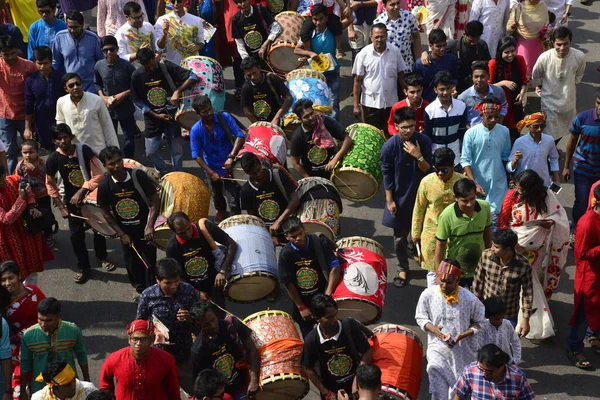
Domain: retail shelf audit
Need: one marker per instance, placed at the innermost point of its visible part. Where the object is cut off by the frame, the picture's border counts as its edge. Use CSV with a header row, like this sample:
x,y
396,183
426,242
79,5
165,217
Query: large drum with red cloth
x,y
398,352
280,349
361,292
265,140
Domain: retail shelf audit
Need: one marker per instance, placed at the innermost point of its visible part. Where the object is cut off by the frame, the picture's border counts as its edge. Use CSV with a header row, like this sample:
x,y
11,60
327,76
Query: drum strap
x,y
279,184
168,77
262,19
82,164
320,255
226,128
270,77
138,187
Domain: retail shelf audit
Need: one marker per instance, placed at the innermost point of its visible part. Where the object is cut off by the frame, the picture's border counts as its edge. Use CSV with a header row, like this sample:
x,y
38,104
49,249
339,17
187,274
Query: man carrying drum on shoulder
x,y
269,194
194,246
313,147
308,266
130,205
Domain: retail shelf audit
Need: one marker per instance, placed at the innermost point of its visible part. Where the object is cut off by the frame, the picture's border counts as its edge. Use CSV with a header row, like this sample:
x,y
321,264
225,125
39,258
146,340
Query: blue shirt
x,y
486,152
536,156
324,42
78,55
586,160
216,149
43,34
471,98
5,351
14,32
449,62
41,95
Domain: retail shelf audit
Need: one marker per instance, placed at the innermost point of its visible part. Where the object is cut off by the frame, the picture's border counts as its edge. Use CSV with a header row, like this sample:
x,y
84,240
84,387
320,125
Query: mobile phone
x,y
555,188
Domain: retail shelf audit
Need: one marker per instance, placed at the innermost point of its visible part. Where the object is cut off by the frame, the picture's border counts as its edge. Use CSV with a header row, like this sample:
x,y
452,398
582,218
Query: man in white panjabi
x,y
556,74
450,315
448,15
493,14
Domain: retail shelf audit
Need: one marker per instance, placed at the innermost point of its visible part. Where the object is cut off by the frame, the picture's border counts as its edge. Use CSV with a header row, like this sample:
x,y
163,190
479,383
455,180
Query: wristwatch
x,y
230,156
421,159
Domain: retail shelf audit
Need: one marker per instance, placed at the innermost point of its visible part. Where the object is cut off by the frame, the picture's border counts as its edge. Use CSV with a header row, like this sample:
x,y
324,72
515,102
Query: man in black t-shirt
x,y
225,345
265,97
269,194
79,177
204,267
308,158
339,347
302,265
130,205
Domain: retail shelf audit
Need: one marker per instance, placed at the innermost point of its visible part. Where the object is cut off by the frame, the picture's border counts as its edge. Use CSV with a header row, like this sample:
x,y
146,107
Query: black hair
x,y
248,63
249,161
444,157
493,355
291,224
480,66
200,103
320,303
463,187
598,93
437,36
443,78
10,266
68,76
379,25
53,368
474,29
49,306
503,44
491,99
302,104
174,217
45,3
551,17
404,114
144,55
131,7
108,153
208,382
505,237
167,268
198,311
75,16
596,192
41,53
100,395
562,32
32,143
7,43
60,128
452,261
533,190
2,170
494,306
368,376
319,9
413,80
109,40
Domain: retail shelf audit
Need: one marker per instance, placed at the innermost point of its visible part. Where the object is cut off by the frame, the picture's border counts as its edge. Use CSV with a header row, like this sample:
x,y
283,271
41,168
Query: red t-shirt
x,y
420,116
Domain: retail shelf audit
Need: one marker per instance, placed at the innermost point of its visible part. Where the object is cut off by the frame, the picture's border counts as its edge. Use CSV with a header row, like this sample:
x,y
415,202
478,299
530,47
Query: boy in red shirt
x,y
414,99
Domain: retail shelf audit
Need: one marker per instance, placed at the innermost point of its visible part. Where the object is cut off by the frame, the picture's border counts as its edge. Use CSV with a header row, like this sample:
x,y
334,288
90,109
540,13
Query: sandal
x,y
594,341
80,277
578,359
108,266
400,282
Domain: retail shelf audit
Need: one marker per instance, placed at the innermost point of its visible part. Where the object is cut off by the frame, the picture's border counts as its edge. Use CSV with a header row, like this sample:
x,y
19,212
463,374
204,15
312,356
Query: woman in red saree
x,y
21,312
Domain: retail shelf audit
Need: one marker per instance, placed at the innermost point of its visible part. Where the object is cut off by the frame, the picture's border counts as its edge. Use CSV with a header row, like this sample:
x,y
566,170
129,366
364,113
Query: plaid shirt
x,y
473,385
505,281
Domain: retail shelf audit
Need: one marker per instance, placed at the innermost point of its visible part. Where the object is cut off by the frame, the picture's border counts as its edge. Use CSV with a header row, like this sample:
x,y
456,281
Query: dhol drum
x,y
307,84
280,349
319,214
282,58
361,292
253,275
291,24
210,83
265,140
398,352
180,191
90,210
360,174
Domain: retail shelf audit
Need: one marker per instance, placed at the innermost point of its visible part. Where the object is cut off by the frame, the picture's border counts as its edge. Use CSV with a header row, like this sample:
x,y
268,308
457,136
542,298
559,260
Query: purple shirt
x,y
77,5
40,99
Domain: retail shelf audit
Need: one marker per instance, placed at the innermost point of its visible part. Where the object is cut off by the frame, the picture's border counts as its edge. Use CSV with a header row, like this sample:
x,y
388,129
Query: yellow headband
x,y
62,378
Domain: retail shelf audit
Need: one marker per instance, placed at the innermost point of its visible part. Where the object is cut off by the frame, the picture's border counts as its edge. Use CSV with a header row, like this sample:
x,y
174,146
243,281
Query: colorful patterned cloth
x,y
473,384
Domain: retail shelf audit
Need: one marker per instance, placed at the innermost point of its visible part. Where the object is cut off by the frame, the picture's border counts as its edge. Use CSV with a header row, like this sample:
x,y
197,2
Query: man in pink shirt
x,y
414,99
13,72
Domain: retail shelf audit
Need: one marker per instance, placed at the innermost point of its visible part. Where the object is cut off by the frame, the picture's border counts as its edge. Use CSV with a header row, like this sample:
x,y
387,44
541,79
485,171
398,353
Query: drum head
x,y
238,173
314,227
283,59
187,119
96,220
284,389
162,234
355,184
250,288
361,310
395,393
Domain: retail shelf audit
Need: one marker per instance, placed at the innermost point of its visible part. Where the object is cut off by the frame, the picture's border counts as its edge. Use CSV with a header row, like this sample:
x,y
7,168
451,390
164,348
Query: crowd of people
x,y
470,181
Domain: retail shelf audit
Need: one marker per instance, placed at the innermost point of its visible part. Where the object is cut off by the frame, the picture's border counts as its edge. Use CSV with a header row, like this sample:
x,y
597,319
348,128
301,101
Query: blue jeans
x,y
333,81
175,143
8,134
583,184
579,331
128,127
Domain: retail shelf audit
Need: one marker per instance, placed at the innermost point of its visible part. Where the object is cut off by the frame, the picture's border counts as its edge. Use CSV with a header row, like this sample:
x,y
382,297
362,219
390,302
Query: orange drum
x,y
280,348
265,140
398,352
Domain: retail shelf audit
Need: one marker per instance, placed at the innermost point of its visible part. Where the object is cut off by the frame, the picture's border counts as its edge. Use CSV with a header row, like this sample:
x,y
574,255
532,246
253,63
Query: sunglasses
x,y
443,170
109,49
74,84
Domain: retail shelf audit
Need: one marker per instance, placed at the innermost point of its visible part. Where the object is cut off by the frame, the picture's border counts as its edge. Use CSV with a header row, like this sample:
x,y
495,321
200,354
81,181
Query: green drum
x,y
360,174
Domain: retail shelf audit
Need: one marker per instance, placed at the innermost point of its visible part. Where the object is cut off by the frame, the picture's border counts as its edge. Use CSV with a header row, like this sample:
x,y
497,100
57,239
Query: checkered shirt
x,y
474,385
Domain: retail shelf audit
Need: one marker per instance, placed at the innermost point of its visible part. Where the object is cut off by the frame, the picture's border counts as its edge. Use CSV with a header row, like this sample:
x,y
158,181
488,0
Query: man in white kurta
x,y
493,14
448,15
556,74
447,312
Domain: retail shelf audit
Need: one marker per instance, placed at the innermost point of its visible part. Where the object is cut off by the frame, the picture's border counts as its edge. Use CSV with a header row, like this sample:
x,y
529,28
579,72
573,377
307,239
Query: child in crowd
x,y
498,330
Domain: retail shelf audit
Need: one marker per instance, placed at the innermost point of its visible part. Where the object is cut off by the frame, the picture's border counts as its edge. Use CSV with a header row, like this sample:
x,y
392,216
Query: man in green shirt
x,y
463,230
51,338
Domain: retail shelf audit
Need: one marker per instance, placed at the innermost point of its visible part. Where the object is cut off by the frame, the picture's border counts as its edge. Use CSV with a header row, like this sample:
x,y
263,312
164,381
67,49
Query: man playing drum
x,y
130,205
303,263
313,147
269,194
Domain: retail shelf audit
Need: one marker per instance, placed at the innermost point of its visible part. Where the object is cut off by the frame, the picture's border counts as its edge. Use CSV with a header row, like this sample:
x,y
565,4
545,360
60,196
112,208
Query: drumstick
x,y
225,311
233,179
349,309
139,255
344,183
78,216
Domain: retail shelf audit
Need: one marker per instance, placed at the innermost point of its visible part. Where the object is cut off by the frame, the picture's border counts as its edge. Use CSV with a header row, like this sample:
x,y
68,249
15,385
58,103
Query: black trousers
x,y
378,117
230,189
140,277
77,228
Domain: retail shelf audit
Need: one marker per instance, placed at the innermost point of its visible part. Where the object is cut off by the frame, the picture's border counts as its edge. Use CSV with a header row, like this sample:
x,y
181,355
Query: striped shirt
x,y
444,127
586,160
474,385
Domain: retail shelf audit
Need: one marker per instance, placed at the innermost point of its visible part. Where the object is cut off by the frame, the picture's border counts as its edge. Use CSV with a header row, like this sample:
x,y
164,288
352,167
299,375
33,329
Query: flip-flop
x,y
594,341
80,277
400,282
578,359
108,266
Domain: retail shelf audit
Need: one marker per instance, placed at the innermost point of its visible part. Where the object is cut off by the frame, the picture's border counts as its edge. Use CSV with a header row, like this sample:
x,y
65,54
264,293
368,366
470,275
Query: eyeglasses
x,y
406,128
74,84
109,49
138,18
140,340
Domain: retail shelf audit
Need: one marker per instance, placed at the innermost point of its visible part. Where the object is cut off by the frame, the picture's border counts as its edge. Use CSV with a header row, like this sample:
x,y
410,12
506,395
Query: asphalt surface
x,y
103,306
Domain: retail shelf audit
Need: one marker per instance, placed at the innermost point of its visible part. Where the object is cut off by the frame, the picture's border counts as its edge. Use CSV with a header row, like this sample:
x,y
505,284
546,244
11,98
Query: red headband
x,y
141,325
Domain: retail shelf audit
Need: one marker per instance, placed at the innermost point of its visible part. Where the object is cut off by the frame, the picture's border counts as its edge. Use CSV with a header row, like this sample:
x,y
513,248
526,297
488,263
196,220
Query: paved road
x,y
103,307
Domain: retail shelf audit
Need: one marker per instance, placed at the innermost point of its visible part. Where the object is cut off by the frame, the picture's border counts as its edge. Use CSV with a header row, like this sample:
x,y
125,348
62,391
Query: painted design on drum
x,y
365,152
307,278
317,155
210,75
196,267
76,178
310,88
275,6
157,96
262,109
361,278
352,256
127,208
224,365
268,210
253,40
339,365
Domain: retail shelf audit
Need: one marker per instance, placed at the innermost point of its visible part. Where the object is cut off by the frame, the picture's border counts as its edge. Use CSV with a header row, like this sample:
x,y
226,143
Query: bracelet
x,y
302,308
